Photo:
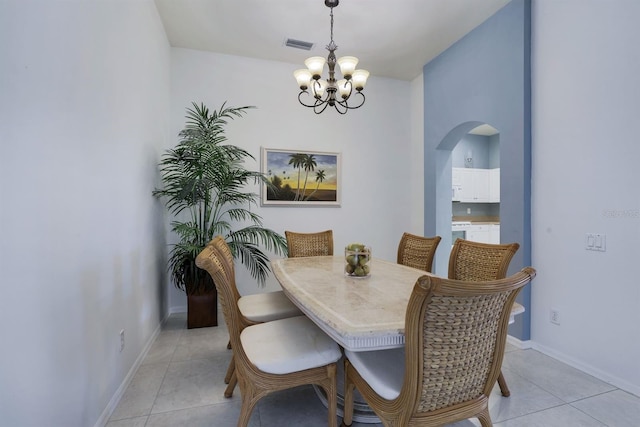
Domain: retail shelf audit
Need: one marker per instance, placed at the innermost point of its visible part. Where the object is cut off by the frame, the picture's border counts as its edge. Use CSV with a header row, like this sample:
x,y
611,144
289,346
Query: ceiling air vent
x,y
298,44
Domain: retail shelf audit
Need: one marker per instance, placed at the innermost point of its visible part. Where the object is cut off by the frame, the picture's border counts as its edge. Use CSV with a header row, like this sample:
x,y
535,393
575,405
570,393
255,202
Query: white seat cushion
x,y
515,310
383,370
267,306
288,345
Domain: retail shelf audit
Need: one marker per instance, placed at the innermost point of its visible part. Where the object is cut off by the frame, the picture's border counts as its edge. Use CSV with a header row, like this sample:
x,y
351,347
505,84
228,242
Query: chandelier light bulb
x,y
344,88
303,77
319,86
360,79
347,65
315,64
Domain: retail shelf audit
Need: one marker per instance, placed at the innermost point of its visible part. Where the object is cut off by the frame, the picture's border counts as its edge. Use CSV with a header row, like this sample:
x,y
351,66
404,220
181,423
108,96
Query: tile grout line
x,y
175,347
590,397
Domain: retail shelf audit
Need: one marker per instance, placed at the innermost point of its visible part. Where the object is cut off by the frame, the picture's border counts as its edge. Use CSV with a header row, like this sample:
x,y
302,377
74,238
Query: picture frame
x,y
301,178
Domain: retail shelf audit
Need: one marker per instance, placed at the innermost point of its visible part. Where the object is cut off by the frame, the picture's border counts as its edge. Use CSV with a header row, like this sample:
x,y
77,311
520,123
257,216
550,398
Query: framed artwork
x,y
300,178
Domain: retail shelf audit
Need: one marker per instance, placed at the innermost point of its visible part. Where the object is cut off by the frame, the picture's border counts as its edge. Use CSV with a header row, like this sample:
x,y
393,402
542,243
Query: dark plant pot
x,y
202,310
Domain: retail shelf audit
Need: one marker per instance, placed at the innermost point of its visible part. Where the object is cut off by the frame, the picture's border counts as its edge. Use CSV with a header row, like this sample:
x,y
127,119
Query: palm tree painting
x,y
301,178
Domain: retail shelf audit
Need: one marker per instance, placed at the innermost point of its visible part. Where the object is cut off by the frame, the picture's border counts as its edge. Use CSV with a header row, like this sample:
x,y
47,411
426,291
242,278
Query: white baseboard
x,y
111,406
620,383
516,342
178,309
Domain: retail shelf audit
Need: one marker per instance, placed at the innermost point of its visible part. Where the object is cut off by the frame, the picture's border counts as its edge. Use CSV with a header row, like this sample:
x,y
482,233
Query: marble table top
x,y
360,314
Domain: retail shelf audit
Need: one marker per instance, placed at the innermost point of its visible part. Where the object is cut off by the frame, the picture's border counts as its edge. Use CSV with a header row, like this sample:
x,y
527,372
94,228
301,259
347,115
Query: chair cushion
x,y
267,306
288,345
383,370
515,310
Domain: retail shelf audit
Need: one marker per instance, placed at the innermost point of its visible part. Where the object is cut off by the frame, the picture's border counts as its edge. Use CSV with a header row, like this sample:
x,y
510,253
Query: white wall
x,y
585,180
84,111
416,154
378,198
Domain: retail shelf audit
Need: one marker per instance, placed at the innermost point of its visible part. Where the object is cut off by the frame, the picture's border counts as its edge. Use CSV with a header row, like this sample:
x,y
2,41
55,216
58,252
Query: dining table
x,y
359,313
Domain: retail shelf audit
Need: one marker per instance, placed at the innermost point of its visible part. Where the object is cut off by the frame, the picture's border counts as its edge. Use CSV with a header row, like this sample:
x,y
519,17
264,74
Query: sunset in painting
x,y
301,176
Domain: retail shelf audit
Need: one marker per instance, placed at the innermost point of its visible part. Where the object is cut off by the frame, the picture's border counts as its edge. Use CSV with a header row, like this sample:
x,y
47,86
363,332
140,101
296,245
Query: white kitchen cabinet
x,y
494,185
456,176
466,185
483,233
481,185
478,233
494,233
456,184
470,185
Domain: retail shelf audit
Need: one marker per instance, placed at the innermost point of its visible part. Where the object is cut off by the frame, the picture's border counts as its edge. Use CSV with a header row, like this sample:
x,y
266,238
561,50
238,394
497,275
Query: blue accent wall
x,y
483,78
480,149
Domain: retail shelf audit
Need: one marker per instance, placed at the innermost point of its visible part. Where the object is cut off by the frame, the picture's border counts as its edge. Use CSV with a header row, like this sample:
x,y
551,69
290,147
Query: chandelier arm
x,y
343,105
317,103
302,102
315,87
359,105
324,103
320,102
345,99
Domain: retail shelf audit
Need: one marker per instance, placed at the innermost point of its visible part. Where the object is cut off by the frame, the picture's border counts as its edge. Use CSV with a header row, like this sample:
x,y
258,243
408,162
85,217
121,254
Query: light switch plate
x,y
596,242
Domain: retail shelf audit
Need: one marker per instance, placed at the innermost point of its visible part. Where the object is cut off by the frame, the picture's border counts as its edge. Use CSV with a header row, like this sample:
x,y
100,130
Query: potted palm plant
x,y
203,186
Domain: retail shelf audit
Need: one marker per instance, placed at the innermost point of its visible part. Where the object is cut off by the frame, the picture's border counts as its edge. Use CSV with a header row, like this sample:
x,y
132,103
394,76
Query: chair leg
x,y
332,396
485,418
504,389
228,392
347,419
248,402
230,370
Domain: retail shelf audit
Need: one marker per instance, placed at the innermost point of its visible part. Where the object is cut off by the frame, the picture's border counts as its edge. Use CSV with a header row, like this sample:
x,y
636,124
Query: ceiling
x,y
484,130
392,38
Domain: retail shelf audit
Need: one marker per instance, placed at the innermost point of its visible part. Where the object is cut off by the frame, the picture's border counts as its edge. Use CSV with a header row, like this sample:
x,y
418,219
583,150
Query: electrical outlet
x,y
468,211
554,316
121,340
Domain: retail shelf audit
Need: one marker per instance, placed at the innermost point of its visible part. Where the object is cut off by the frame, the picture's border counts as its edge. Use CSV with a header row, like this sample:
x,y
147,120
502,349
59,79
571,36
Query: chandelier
x,y
330,92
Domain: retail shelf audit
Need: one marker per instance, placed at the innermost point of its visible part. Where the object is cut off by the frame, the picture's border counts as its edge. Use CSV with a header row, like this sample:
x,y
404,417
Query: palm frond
x,y
206,176
253,258
242,214
268,238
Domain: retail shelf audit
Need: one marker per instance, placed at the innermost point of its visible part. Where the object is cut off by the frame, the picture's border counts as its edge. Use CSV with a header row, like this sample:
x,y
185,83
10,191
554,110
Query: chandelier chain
x,y
332,26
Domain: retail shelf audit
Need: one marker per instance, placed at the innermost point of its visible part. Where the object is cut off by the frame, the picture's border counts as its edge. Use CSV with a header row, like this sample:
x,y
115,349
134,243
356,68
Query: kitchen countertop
x,y
477,220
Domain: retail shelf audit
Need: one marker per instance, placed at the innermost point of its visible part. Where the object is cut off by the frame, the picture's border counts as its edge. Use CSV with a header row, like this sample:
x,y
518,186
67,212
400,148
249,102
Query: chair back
x,y
217,260
417,251
309,244
474,261
455,337
225,253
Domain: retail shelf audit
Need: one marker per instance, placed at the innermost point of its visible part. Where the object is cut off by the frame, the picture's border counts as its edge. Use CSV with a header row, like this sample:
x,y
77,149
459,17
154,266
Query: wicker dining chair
x,y
417,251
254,309
275,355
455,334
475,261
309,244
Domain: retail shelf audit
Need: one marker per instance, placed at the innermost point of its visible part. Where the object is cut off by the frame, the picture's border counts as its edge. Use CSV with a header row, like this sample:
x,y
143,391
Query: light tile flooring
x,y
180,383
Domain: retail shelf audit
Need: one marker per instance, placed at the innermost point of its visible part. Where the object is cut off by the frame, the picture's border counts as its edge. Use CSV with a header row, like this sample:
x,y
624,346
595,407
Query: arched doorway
x,y
475,182
473,149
